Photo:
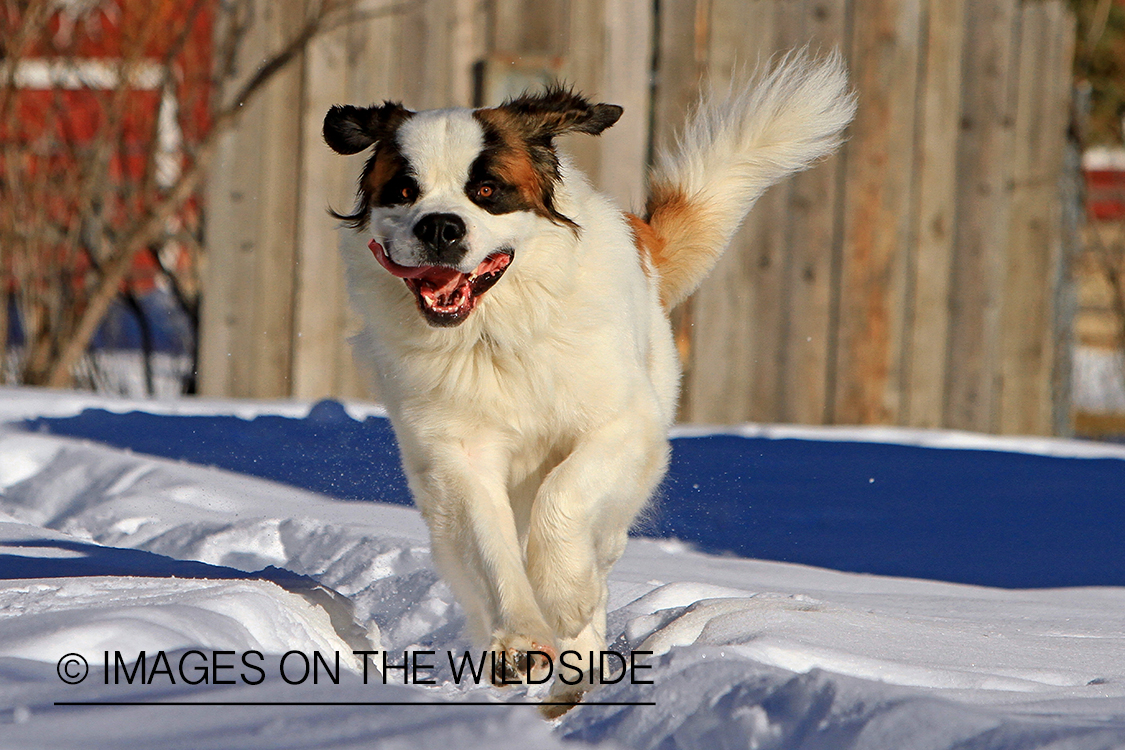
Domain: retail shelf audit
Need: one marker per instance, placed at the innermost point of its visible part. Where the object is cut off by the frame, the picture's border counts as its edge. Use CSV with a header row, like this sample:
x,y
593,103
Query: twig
x,y
116,266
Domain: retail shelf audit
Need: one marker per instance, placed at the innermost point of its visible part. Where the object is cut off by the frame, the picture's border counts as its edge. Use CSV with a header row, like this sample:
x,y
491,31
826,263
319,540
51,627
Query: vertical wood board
x,y
811,215
936,190
726,336
251,230
680,67
319,299
1035,232
877,212
626,80
984,176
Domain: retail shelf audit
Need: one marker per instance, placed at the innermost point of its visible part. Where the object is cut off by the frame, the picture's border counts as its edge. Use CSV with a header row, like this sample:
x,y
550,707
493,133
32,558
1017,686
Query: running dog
x,y
517,322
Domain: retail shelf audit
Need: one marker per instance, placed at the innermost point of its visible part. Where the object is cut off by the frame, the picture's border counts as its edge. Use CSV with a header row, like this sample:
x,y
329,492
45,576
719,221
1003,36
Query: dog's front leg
x,y
580,519
463,497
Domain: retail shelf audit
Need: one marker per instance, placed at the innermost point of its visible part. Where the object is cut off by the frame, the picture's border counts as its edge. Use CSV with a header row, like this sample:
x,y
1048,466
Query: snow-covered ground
x,y
104,550
1099,380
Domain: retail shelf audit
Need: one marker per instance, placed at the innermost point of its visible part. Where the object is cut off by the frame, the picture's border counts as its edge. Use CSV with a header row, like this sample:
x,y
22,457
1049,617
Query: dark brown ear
x,y
349,130
559,110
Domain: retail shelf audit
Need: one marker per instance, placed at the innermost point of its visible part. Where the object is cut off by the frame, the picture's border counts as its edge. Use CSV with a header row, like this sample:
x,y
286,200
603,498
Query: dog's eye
x,y
408,190
484,192
400,190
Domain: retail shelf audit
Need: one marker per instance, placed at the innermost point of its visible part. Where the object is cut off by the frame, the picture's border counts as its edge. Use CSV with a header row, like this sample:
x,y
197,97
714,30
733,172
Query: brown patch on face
x,y
382,167
511,160
385,179
518,161
515,167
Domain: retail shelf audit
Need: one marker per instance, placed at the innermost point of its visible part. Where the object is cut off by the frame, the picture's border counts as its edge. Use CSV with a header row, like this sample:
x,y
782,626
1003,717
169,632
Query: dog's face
x,y
448,195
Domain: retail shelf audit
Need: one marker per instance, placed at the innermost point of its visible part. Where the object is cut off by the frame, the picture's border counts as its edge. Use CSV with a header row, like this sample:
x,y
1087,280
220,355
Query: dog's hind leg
x,y
581,517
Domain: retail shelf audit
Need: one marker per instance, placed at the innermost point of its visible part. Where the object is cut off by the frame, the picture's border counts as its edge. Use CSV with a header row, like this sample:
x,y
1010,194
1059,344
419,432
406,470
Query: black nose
x,y
440,231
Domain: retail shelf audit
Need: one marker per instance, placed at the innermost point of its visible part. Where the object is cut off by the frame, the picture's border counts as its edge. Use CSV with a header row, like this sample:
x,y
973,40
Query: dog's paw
x,y
569,616
567,593
559,702
517,659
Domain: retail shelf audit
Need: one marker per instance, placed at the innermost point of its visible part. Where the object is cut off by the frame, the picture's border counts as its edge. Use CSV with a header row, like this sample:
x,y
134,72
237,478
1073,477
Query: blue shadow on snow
x,y
968,516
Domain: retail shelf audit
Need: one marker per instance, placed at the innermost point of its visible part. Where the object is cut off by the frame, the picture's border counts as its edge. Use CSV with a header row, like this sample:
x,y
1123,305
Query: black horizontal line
x,y
351,703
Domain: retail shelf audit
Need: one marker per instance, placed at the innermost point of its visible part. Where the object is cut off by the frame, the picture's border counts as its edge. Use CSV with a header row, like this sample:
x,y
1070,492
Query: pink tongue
x,y
443,279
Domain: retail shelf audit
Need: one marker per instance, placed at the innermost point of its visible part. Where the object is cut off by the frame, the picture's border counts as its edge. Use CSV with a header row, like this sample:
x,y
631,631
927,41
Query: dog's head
x,y
448,195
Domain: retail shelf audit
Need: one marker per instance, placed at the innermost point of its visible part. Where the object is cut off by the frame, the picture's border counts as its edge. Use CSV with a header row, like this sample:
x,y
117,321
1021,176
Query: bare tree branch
x,y
115,267
77,193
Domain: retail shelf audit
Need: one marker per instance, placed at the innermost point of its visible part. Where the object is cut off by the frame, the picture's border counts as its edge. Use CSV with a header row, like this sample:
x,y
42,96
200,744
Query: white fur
x,y
534,433
441,146
741,141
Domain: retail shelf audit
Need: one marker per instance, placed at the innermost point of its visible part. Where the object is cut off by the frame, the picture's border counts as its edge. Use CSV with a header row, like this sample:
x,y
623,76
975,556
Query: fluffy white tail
x,y
734,147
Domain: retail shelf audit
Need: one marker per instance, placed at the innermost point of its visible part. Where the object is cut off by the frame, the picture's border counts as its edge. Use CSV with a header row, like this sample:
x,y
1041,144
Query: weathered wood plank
x,y
220,311
627,81
1035,233
251,231
729,338
319,299
984,177
768,245
537,27
421,59
812,214
468,35
680,67
225,306
584,65
1064,261
1027,308
878,202
372,61
936,189
1058,332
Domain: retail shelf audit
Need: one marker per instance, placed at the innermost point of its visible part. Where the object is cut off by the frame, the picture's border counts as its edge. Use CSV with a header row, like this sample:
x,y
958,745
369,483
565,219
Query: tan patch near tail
x,y
647,241
682,240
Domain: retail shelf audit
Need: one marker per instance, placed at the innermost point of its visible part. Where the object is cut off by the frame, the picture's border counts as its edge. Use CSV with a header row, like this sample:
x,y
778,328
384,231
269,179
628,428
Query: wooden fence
x,y
918,278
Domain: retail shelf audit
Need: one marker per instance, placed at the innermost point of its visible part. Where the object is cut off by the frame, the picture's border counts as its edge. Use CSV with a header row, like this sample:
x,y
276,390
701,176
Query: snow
x,y
103,549
956,439
16,404
1099,380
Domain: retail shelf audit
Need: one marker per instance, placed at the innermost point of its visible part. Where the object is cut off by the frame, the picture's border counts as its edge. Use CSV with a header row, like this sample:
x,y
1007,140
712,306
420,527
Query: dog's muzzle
x,y
441,235
445,295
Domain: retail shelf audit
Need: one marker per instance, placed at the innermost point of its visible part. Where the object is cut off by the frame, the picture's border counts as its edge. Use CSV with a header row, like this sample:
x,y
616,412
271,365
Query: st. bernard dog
x,y
517,322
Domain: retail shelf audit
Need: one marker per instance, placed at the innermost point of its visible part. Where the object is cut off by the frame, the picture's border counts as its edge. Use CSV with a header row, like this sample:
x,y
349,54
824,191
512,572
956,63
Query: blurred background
x,y
959,264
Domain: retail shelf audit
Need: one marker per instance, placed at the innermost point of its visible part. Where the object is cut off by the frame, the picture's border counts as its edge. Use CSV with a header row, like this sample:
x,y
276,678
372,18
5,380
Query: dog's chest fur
x,y
565,338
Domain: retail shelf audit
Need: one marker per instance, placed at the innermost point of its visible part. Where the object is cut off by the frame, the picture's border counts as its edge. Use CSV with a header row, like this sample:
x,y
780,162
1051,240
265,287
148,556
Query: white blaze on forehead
x,y
441,145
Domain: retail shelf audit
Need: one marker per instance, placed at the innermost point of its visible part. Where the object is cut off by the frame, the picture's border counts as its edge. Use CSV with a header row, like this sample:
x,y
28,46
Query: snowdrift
x,y
104,550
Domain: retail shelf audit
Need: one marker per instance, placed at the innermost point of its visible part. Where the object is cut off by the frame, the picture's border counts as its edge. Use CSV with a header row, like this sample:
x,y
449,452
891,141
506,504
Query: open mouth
x,y
445,295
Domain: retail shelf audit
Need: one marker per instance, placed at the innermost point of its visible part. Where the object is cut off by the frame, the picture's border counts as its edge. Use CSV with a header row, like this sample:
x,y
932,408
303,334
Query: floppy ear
x,y
349,130
559,110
